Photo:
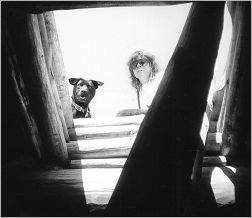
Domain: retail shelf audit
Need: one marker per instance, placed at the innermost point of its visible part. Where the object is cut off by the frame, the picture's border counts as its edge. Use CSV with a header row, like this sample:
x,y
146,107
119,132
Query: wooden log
x,y
237,125
98,163
39,88
108,148
45,193
168,137
111,153
58,68
98,184
119,162
197,166
217,102
30,126
48,58
221,120
103,132
100,148
213,142
108,121
100,144
38,7
214,161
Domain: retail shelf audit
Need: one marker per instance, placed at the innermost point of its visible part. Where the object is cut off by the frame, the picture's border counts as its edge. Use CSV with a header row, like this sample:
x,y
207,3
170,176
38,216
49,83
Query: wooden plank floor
x,y
98,151
219,186
102,155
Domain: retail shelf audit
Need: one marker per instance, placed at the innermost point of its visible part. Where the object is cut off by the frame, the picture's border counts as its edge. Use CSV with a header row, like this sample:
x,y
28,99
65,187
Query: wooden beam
x,y
163,153
98,163
118,162
48,58
100,144
110,153
214,161
58,68
30,126
81,133
23,189
115,147
108,121
212,142
49,193
236,120
39,88
39,7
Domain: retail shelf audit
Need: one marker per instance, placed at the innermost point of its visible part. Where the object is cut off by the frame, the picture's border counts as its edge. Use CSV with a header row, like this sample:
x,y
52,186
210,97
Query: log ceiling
x,y
39,7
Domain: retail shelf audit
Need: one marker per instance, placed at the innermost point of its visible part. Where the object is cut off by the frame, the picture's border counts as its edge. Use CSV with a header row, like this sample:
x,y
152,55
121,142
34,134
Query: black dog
x,y
83,92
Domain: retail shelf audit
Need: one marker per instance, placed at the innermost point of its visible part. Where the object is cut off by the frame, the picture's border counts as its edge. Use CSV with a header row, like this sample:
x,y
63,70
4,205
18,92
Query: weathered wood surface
x,y
117,162
42,99
106,153
108,148
108,121
214,161
100,144
170,131
48,58
98,138
30,126
58,68
96,186
213,142
98,163
100,148
44,193
81,133
39,7
237,101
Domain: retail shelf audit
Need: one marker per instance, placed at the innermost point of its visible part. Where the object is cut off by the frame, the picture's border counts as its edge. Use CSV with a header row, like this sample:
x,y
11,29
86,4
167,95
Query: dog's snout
x,y
84,89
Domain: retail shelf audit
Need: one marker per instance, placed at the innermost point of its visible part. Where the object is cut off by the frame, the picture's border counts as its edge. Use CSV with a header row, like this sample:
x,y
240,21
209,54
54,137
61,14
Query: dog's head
x,y
84,90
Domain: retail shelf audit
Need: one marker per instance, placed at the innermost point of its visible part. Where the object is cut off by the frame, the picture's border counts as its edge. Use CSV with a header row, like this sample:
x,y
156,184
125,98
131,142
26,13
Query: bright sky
x,y
96,44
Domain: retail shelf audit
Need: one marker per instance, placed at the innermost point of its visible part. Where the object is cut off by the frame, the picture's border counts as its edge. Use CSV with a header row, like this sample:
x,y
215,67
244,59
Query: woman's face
x,y
142,70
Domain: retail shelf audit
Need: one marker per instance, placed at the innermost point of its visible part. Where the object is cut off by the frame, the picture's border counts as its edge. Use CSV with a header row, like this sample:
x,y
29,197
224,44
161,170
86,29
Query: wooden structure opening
x,y
164,171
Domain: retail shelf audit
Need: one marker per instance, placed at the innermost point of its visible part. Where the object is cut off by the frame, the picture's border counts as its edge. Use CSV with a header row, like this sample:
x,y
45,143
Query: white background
x,y
96,44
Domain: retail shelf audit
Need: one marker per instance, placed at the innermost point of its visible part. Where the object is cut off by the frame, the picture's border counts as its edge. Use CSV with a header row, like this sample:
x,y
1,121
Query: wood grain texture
x,y
42,97
48,58
168,138
58,68
108,121
39,7
77,186
98,163
81,133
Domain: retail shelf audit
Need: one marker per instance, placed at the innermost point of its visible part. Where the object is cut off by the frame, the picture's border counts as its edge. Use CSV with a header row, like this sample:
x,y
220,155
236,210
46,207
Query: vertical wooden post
x,y
236,120
48,58
59,68
42,98
156,178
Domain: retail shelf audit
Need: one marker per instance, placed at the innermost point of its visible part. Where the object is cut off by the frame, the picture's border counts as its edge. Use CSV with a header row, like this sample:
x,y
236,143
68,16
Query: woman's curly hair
x,y
135,82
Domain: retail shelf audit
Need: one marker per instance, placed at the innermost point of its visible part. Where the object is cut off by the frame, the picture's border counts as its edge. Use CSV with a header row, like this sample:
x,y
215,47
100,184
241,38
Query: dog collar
x,y
81,109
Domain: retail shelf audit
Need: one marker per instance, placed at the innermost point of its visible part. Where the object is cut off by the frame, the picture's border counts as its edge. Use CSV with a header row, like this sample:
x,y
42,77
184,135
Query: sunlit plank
x,y
98,163
103,132
108,121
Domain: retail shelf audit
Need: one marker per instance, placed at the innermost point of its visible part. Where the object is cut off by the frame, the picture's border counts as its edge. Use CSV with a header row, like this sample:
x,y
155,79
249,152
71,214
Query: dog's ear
x,y
97,83
74,81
